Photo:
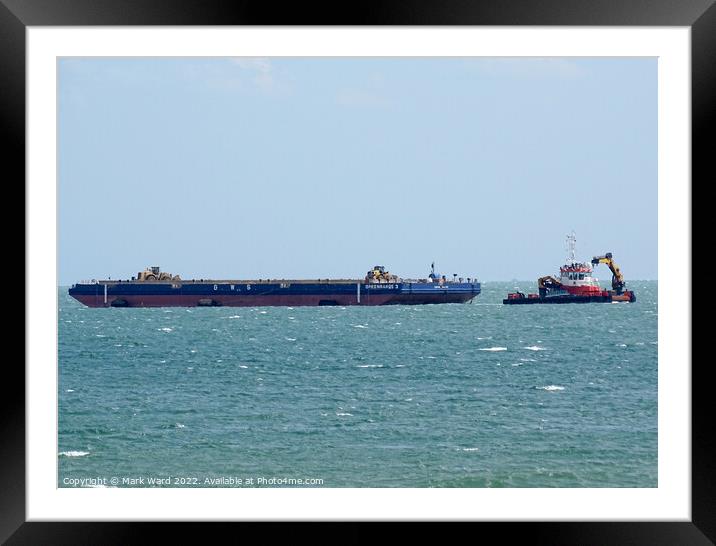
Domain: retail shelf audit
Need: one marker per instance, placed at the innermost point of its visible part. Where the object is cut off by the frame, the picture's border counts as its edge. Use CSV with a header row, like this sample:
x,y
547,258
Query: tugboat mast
x,y
571,248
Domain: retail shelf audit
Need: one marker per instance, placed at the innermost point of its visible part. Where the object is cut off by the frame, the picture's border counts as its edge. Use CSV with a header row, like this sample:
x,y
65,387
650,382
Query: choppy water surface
x,y
474,395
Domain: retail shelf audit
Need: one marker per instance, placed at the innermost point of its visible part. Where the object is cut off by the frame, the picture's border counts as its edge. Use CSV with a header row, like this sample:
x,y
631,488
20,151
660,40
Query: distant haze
x,y
324,167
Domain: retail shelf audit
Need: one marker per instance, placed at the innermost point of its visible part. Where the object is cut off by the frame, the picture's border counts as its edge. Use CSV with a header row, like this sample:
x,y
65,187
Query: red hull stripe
x,y
583,290
273,300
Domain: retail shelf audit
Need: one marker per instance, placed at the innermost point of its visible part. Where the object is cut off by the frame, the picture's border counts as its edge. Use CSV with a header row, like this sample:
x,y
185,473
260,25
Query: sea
x,y
475,395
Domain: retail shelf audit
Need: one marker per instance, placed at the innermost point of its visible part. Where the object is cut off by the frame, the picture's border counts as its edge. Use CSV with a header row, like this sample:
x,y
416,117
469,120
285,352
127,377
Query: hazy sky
x,y
320,167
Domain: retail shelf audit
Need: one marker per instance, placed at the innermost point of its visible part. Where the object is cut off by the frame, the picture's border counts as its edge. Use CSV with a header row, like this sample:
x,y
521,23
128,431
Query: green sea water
x,y
473,395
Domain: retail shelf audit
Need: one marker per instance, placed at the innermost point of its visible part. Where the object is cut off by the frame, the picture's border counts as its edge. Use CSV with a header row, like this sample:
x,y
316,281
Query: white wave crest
x,y
535,348
74,453
551,388
494,349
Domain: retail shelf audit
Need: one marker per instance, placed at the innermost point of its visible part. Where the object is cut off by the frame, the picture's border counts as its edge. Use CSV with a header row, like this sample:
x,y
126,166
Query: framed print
x,y
287,141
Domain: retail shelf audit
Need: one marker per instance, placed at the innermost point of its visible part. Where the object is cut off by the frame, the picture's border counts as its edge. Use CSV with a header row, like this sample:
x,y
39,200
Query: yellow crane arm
x,y
617,277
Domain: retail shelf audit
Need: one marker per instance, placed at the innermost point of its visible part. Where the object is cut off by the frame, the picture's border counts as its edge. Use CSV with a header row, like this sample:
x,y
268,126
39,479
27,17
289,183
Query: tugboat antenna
x,y
571,248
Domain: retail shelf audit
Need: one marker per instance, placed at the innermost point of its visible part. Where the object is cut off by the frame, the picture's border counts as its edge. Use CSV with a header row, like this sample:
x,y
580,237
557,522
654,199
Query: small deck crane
x,y
618,283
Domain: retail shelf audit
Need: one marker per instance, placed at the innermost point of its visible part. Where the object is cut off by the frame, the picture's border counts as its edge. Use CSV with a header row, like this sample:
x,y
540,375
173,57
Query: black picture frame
x,y
16,15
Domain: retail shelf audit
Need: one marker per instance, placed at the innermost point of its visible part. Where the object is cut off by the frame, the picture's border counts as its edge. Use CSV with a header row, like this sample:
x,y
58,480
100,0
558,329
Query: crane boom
x,y
618,283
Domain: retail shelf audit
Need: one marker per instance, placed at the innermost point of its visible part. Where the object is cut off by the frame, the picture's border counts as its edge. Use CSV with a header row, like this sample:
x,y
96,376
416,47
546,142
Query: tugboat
x,y
576,283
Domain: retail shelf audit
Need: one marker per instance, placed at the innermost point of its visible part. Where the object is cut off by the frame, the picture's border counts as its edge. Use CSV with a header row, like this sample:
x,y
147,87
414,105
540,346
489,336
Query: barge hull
x,y
269,294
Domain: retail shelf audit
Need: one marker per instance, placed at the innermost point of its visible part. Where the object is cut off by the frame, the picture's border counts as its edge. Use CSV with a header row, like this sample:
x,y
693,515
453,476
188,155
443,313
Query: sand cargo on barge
x,y
154,288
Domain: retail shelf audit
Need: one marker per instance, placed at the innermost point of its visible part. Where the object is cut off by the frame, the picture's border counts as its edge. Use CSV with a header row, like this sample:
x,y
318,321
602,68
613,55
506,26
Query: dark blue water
x,y
474,395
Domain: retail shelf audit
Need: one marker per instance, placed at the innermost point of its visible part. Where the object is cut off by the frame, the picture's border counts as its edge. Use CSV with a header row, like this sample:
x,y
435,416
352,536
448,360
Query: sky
x,y
241,167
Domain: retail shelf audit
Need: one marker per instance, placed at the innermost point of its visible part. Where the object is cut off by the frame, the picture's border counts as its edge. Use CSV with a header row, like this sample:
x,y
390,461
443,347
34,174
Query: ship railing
x,y
461,280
